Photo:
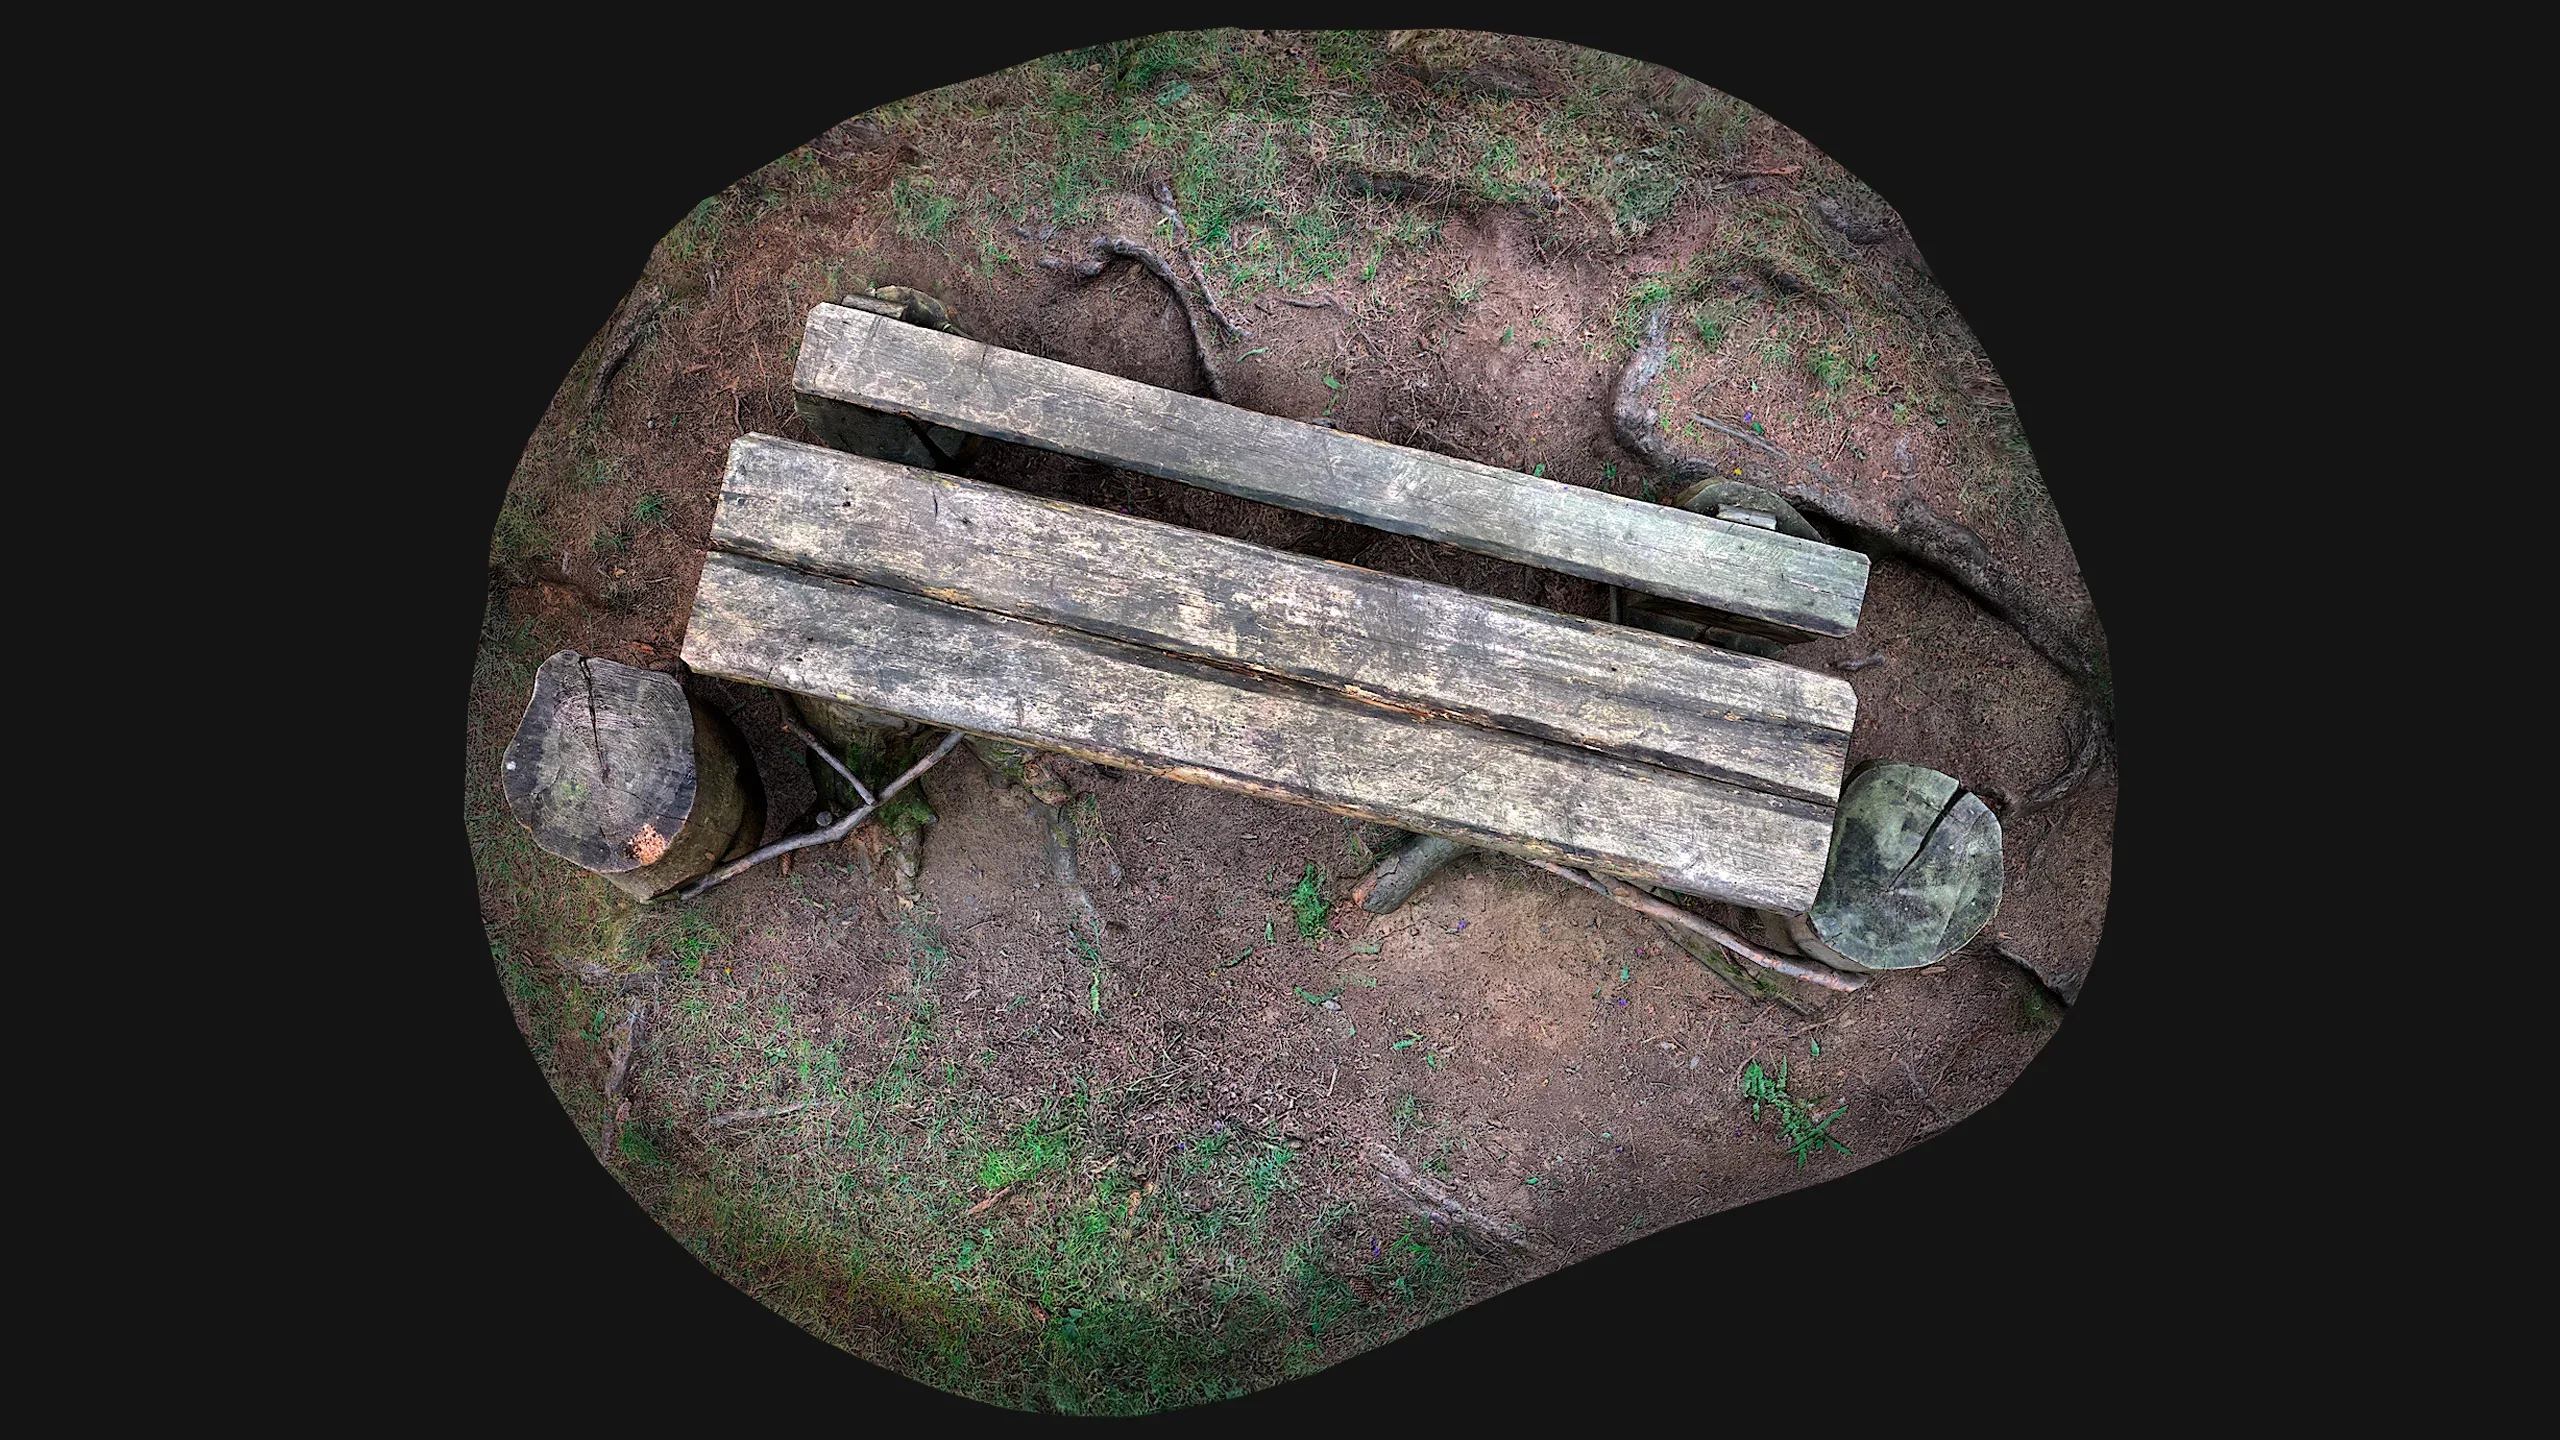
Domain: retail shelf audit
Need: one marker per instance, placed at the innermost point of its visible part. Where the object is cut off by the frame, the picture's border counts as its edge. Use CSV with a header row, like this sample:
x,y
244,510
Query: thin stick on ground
x,y
801,733
832,833
1669,914
1182,233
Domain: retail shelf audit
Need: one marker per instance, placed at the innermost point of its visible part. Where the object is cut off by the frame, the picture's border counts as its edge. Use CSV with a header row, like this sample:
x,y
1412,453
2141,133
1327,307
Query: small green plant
x,y
651,509
1801,1133
1464,289
609,541
1643,198
1829,368
1091,954
1265,1176
1308,904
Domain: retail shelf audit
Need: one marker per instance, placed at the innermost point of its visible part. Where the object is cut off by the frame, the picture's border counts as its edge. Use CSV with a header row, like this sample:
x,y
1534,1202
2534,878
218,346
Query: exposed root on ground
x,y
1908,529
1116,247
638,315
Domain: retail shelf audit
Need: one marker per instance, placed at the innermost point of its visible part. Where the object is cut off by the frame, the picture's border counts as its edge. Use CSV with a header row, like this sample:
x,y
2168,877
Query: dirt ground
x,y
961,1142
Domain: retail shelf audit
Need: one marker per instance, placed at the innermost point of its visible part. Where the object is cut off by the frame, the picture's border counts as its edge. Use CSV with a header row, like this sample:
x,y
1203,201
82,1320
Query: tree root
x,y
2086,730
1119,247
1429,1200
1909,530
635,321
1402,873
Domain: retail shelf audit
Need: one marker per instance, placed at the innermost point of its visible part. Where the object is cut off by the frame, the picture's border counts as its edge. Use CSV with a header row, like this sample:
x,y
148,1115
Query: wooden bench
x,y
855,366
1149,646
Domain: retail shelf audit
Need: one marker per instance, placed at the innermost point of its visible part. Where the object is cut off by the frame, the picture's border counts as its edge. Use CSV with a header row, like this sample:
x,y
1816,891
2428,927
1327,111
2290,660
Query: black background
x,y
509,188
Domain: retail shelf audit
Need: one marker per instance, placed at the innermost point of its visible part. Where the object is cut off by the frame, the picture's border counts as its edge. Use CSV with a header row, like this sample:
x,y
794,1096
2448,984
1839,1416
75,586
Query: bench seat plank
x,y
1127,705
1738,718
1797,587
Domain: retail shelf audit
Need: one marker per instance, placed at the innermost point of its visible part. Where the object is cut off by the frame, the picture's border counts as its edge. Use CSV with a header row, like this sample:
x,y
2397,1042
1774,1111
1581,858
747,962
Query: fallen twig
x,y
801,733
1164,200
1745,436
834,832
1318,303
981,1206
1634,899
1861,663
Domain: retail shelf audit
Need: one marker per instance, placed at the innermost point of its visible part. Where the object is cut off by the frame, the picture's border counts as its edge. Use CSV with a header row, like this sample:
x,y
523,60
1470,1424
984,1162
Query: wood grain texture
x,y
601,766
1126,705
619,771
1746,720
848,357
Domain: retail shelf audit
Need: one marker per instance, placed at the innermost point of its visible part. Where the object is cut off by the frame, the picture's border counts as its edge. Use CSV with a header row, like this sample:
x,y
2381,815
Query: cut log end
x,y
618,771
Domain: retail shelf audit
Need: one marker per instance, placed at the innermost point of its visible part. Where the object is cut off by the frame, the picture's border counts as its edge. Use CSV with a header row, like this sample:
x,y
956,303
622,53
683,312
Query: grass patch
x,y
923,212
1641,197
519,538
697,235
1040,1145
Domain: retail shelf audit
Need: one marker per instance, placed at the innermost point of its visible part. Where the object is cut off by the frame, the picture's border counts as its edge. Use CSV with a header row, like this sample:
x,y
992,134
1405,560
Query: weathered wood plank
x,y
1121,704
1739,718
851,358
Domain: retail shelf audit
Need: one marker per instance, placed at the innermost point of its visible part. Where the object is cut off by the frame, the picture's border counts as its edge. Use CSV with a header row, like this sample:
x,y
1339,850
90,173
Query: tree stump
x,y
618,771
1914,875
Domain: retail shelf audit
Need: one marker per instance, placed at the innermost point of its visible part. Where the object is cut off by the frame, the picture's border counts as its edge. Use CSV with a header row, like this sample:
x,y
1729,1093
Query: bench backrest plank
x,y
1738,718
1795,586
1121,704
